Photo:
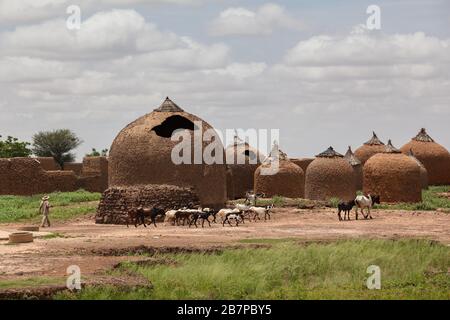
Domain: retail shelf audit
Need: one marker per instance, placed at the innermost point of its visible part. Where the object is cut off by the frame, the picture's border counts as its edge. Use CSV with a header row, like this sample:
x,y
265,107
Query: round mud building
x,y
432,155
144,153
278,176
357,168
330,176
423,170
370,148
393,176
243,161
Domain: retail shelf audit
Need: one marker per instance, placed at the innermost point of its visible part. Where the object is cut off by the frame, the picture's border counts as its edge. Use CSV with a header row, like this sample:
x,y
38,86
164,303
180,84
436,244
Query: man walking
x,y
44,208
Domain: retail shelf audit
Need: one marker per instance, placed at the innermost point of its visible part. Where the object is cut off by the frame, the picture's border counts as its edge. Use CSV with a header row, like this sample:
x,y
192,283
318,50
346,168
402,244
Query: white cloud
x,y
241,21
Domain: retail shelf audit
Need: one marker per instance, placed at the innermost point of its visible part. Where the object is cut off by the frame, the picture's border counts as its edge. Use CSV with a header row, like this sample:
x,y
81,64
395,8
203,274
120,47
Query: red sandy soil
x,y
96,248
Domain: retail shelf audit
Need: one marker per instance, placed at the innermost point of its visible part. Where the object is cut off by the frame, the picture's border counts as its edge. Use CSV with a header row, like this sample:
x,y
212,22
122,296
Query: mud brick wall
x,y
94,175
76,167
116,201
48,164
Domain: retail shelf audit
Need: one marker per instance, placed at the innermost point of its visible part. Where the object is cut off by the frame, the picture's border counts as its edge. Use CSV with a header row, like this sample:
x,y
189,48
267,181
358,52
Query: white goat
x,y
363,202
222,214
261,211
170,217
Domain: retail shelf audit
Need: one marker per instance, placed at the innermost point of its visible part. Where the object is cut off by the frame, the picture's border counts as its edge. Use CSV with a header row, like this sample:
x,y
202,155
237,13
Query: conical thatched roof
x,y
169,106
330,153
370,148
374,141
434,157
351,158
391,149
423,136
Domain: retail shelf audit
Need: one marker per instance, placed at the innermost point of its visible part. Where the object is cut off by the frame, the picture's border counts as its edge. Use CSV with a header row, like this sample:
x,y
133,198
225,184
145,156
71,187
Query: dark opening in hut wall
x,y
434,157
393,176
330,176
117,201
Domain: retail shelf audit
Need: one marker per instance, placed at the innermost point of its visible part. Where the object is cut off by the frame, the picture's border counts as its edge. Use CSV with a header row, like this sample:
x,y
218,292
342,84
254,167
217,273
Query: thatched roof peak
x,y
374,141
391,149
169,106
423,136
330,153
351,158
275,154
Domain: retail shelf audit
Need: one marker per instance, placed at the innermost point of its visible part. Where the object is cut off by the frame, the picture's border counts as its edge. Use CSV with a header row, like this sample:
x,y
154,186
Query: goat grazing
x,y
363,202
345,207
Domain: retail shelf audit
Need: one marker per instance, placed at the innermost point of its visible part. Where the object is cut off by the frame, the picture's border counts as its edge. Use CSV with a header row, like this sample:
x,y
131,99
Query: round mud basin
x,y
20,237
29,228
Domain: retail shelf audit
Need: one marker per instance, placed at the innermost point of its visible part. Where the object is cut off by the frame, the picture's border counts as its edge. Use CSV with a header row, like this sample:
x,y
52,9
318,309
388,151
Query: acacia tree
x,y
95,153
12,147
57,144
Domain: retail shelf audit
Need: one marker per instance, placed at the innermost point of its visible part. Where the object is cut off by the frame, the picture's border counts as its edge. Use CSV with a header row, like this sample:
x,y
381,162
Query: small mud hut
x,y
278,176
432,155
243,161
393,176
330,176
357,168
141,158
370,148
423,170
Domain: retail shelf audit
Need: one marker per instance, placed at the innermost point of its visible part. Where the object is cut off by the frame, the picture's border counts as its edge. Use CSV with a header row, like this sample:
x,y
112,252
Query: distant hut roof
x,y
370,148
351,158
169,106
330,153
374,141
391,149
423,136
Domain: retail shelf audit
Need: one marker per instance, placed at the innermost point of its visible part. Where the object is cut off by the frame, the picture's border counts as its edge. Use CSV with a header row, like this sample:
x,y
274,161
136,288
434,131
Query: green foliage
x,y
334,202
95,153
57,144
431,200
65,205
410,269
12,147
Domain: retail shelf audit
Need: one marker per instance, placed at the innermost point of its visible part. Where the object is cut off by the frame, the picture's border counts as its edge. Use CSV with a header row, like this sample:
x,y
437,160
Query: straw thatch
x,y
357,168
423,170
286,180
393,176
330,176
434,157
370,148
243,161
141,155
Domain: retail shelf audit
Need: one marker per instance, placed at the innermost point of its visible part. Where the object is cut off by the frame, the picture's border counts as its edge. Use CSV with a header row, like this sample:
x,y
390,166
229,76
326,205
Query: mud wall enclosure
x,y
117,201
27,176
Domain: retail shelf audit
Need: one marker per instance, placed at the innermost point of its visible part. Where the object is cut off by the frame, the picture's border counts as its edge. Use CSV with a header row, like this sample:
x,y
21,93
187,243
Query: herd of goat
x,y
238,214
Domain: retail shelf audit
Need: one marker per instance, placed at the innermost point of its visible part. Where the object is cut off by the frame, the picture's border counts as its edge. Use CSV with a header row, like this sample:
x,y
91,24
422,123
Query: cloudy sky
x,y
310,68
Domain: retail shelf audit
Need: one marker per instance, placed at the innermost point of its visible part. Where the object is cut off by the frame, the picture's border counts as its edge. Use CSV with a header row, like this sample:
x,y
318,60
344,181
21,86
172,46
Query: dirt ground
x,y
96,248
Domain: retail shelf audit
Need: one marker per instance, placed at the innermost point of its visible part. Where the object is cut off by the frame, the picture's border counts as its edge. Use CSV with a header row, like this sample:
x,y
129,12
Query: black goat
x,y
345,207
139,214
204,216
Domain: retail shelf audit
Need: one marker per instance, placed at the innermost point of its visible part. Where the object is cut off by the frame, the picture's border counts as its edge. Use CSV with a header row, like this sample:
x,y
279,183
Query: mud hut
x,y
423,170
393,176
432,155
357,168
302,162
370,148
278,176
330,176
141,155
243,161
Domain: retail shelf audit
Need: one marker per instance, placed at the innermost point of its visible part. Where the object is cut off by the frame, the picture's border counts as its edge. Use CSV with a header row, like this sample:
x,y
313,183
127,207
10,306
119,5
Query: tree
x,y
56,144
12,147
95,153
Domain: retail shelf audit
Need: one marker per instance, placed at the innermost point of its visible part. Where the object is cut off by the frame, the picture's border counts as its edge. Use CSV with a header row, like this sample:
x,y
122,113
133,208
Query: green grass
x,y
410,269
65,205
31,282
430,201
